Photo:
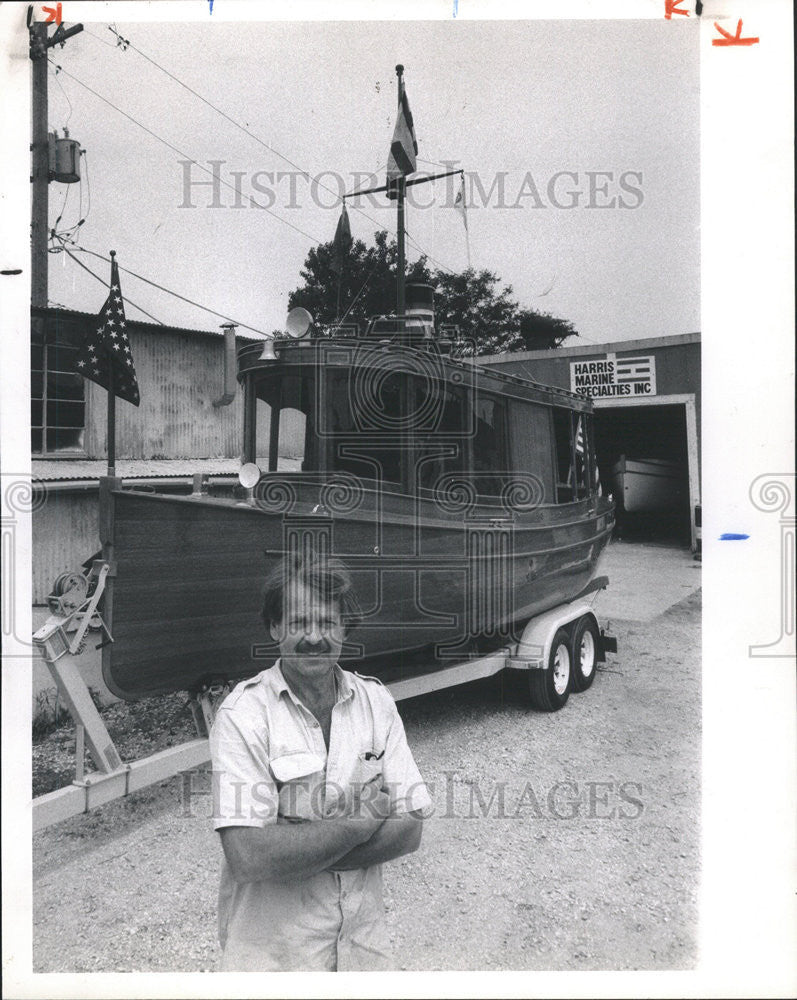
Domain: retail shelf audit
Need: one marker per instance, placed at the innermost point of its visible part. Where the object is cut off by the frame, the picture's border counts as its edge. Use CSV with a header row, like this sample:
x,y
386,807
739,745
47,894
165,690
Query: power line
x,y
175,149
68,188
61,87
121,43
176,295
105,283
128,44
88,187
354,300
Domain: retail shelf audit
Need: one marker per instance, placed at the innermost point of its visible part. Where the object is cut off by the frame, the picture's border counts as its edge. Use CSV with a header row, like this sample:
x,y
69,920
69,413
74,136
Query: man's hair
x,y
328,579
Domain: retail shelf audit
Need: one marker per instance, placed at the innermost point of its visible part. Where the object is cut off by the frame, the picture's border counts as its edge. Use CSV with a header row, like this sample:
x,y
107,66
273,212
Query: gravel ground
x,y
591,862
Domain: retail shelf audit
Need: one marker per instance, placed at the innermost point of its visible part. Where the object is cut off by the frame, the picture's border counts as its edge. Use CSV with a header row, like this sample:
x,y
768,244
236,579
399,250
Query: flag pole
x,y
465,218
111,410
400,217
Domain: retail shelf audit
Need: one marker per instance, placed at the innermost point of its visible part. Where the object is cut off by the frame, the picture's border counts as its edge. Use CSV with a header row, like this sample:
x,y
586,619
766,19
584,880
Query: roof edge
x,y
612,347
45,311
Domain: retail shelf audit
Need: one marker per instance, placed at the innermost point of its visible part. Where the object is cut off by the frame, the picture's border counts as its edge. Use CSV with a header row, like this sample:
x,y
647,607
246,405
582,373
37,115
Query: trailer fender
x,y
534,649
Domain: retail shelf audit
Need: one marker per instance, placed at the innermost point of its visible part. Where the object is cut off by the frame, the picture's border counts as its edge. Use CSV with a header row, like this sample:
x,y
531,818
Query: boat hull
x,y
434,586
650,485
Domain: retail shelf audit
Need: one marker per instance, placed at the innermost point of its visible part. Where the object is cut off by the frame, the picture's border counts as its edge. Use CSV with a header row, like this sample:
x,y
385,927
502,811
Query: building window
x,y
57,404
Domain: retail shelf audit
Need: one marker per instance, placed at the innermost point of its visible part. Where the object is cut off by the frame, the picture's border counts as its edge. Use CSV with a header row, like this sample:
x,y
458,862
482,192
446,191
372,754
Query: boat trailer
x,y
559,650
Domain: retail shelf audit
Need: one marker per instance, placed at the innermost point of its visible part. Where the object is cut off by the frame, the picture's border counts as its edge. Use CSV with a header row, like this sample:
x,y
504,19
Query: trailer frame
x,y
116,779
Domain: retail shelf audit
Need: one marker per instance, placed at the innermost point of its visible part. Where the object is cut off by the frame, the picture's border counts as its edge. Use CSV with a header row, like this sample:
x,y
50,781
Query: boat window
x,y
444,451
563,444
489,444
356,437
593,455
284,435
530,436
263,421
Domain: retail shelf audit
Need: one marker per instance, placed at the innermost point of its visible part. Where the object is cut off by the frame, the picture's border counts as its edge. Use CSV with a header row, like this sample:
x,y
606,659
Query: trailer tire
x,y
549,689
586,643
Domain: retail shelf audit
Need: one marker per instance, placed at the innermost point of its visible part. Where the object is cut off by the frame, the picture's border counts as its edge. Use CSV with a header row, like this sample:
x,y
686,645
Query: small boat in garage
x,y
649,485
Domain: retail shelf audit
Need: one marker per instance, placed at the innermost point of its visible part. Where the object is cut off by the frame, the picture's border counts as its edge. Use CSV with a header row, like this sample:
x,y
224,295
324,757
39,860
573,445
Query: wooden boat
x,y
464,500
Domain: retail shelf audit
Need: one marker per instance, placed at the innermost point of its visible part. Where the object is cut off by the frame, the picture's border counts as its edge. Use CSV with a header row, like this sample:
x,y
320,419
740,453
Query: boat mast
x,y
397,188
400,275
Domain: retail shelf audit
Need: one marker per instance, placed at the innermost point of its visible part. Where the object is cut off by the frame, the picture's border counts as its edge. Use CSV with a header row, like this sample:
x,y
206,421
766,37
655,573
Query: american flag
x,y
106,356
581,449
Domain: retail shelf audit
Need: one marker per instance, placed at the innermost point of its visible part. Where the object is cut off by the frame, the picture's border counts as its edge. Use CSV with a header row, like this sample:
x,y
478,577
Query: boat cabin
x,y
405,419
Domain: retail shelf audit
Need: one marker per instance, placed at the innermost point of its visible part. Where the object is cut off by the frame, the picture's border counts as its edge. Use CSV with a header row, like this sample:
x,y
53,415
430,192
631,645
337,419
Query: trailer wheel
x,y
549,689
585,653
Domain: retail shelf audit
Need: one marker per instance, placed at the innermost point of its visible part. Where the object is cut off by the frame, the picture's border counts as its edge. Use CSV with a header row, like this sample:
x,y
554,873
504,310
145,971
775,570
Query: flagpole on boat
x,y
111,409
400,302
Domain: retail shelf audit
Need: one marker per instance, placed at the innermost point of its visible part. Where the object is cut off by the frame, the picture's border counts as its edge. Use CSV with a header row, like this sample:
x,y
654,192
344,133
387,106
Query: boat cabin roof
x,y
319,354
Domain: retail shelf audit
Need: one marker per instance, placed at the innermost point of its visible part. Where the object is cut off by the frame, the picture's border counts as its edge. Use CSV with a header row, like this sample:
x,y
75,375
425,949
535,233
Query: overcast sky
x,y
513,103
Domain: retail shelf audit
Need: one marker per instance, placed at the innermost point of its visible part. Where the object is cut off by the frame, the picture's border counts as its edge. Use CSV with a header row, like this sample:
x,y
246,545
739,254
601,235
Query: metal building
x,y
647,424
179,429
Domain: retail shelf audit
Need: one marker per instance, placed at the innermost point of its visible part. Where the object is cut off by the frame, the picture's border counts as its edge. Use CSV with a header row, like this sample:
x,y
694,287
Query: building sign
x,y
614,376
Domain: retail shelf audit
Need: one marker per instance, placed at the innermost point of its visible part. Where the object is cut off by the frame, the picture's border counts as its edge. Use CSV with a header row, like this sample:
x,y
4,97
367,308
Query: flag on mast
x,y
403,148
342,241
106,356
459,203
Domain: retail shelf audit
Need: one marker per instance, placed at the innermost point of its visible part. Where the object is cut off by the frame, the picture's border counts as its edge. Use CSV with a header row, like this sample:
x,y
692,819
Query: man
x,y
316,787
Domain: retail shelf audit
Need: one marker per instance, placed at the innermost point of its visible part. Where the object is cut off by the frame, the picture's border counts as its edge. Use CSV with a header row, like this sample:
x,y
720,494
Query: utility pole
x,y
401,268
40,152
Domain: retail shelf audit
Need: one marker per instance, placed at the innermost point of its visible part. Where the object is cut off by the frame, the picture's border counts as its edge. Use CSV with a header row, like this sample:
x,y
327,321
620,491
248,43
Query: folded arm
x,y
284,852
400,834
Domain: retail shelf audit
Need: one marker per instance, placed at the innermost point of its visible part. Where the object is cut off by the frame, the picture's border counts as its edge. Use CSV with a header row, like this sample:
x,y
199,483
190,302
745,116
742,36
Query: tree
x,y
542,331
351,282
364,285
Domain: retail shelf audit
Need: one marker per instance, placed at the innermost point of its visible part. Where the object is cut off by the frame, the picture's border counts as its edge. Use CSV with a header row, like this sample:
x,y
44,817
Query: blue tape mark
x,y
211,5
456,5
730,536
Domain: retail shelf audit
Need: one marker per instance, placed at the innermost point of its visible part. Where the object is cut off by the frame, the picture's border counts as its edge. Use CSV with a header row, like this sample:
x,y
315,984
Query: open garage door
x,y
644,458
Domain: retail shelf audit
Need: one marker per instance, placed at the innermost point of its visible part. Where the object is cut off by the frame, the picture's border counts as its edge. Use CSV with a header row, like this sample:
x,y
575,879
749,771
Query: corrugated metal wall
x,y
65,533
179,376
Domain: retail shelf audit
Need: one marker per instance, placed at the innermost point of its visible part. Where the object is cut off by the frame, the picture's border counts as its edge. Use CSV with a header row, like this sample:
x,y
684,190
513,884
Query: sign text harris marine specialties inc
x,y
613,377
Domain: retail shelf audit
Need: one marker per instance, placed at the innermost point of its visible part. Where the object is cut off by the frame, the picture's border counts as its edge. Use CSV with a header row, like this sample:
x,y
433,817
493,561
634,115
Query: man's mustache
x,y
303,646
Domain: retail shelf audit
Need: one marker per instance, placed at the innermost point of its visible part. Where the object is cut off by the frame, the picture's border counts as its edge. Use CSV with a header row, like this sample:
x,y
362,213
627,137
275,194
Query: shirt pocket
x,y
299,775
367,768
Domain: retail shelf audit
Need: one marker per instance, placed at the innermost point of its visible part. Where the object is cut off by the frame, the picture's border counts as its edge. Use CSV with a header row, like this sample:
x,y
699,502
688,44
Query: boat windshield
x,y
285,422
398,430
